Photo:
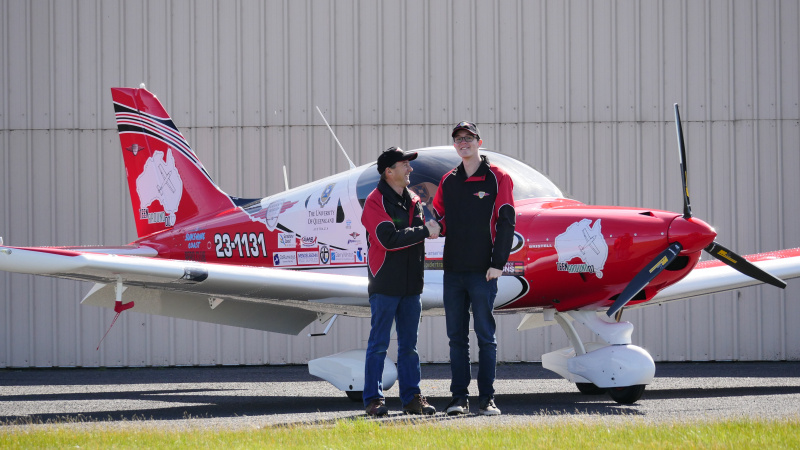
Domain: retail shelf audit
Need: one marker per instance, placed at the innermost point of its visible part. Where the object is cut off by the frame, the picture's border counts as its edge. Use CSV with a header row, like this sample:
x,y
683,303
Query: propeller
x,y
687,207
744,266
718,251
645,276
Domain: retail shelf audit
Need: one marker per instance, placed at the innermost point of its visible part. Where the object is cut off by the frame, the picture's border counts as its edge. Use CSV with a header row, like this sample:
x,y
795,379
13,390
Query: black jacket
x,y
477,218
396,233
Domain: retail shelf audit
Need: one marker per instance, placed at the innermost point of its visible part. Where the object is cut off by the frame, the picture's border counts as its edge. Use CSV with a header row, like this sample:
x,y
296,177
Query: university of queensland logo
x,y
326,195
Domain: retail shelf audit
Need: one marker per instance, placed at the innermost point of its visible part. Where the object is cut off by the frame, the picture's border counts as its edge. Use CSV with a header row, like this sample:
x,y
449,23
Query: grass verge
x,y
361,433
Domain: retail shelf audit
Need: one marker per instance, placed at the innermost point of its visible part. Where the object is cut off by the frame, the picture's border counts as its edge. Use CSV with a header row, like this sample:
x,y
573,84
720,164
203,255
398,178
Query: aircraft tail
x,y
167,183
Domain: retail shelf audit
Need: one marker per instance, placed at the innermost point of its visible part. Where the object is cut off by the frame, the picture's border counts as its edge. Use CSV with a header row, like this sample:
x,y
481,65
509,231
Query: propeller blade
x,y
645,276
687,207
742,265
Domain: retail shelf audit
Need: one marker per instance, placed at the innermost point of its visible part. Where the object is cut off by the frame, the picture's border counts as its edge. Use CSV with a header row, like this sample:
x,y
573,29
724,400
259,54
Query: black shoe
x,y
377,408
419,406
488,408
458,406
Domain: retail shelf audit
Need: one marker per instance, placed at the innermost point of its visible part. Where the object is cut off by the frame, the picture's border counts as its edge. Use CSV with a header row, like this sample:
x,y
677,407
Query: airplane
x,y
281,262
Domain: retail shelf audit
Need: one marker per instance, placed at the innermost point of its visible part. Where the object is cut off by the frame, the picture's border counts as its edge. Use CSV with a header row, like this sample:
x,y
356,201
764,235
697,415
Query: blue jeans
x,y
406,312
462,290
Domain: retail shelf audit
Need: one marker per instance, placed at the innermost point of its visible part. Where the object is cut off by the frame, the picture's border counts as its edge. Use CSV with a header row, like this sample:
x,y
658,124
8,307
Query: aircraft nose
x,y
693,234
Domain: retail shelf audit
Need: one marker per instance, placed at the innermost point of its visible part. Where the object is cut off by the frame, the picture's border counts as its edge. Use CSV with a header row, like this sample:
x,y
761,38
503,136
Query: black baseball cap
x,y
469,126
393,155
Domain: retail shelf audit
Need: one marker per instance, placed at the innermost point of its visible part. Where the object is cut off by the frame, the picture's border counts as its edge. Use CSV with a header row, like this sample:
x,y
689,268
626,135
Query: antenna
x,y
352,166
285,178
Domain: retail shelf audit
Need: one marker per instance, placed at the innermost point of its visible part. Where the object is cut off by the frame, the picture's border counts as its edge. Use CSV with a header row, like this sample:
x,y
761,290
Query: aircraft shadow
x,y
229,403
109,395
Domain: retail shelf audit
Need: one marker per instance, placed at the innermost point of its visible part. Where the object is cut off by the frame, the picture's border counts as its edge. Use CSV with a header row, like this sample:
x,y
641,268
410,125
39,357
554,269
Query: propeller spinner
x,y
683,238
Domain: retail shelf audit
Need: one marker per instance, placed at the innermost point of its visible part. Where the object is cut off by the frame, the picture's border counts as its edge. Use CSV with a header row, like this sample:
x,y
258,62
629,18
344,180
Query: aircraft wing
x,y
278,300
710,277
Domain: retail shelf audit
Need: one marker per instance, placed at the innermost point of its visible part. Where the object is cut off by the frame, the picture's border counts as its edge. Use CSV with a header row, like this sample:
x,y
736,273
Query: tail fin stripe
x,y
123,109
124,125
166,128
163,125
172,132
120,107
132,121
189,156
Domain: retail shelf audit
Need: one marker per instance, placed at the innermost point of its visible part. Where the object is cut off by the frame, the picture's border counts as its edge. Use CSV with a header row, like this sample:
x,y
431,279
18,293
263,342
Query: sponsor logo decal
x,y
271,217
305,258
195,239
284,259
584,241
516,268
287,240
308,241
434,264
342,256
271,213
434,249
324,254
135,148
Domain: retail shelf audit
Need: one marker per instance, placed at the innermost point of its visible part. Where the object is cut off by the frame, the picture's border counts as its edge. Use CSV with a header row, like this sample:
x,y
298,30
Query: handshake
x,y
433,228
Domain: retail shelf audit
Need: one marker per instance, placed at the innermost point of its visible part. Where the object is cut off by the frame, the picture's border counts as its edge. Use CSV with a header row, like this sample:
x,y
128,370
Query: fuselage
x,y
565,255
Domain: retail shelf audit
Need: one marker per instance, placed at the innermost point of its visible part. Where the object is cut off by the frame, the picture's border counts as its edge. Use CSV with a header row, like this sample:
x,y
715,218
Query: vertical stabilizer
x,y
167,183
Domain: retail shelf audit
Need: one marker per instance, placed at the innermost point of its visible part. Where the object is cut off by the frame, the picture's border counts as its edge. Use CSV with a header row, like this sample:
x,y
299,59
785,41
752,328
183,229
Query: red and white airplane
x,y
282,262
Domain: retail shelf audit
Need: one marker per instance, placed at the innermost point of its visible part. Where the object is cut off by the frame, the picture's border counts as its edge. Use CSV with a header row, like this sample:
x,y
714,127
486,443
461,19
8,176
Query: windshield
x,y
431,165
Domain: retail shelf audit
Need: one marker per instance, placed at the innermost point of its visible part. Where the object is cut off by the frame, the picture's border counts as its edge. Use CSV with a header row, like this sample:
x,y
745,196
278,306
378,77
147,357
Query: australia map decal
x,y
584,241
160,181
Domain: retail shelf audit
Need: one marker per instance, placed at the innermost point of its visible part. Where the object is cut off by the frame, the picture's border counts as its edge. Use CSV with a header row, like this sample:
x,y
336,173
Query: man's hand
x,y
493,273
433,228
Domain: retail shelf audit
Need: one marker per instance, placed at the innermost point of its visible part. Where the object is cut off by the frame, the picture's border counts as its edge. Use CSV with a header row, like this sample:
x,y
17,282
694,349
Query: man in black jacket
x,y
475,206
396,231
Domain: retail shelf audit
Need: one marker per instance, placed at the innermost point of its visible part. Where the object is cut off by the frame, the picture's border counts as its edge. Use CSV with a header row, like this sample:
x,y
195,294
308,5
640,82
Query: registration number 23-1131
x,y
248,245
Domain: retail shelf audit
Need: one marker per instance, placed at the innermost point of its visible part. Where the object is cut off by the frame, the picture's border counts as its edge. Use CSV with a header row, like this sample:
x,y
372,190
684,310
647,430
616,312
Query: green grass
x,y
362,433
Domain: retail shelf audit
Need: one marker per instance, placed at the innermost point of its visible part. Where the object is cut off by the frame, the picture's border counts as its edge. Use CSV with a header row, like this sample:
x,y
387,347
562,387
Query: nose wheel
x,y
615,366
626,395
590,389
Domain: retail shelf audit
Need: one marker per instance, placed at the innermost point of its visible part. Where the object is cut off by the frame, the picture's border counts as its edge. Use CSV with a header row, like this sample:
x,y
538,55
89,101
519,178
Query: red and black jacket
x,y
477,218
396,233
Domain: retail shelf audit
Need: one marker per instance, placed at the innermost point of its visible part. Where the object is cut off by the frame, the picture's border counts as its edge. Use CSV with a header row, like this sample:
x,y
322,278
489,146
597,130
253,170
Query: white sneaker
x,y
488,408
457,406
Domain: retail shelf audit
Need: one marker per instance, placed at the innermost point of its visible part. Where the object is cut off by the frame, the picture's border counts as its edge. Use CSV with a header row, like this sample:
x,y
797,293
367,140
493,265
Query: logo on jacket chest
x,y
481,194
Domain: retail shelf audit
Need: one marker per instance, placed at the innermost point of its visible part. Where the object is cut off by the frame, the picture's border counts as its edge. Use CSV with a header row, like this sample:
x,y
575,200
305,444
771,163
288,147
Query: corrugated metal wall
x,y
582,90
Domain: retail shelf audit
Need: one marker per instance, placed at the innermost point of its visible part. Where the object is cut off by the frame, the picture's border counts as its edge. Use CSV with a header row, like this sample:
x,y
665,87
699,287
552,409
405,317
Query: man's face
x,y
400,173
466,149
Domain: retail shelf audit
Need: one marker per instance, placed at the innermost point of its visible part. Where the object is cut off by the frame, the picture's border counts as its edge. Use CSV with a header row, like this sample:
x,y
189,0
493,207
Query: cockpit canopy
x,y
431,165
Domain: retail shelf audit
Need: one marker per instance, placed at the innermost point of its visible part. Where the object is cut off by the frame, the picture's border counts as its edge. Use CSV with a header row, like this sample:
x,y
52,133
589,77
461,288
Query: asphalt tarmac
x,y
251,397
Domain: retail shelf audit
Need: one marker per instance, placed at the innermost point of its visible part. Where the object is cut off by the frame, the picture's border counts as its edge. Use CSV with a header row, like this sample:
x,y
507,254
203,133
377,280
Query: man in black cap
x,y
475,207
396,231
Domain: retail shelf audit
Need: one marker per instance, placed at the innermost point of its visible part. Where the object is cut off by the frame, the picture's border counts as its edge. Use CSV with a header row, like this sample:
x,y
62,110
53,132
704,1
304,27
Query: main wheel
x,y
590,389
355,396
626,395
